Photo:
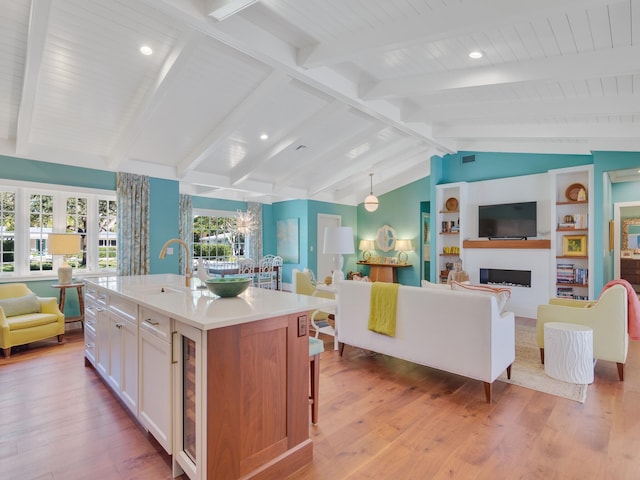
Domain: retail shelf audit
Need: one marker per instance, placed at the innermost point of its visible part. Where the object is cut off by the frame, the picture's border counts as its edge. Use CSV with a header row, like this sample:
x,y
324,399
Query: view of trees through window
x,y
216,239
27,219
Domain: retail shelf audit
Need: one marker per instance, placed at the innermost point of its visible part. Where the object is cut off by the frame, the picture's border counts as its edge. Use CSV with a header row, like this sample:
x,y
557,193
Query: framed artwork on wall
x,y
574,245
287,245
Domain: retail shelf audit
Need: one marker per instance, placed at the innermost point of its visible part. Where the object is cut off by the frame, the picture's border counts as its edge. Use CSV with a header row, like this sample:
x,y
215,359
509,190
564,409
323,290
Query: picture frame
x,y
626,254
574,245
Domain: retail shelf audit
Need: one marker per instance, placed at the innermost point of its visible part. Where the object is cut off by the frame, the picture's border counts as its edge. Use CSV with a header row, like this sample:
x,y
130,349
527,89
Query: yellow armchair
x,y
608,317
25,318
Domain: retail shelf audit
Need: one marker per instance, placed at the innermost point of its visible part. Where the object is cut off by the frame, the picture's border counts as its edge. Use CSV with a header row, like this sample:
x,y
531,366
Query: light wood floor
x,y
380,418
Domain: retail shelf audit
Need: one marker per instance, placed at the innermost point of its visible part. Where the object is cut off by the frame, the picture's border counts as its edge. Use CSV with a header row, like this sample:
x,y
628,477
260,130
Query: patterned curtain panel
x,y
254,247
133,224
186,226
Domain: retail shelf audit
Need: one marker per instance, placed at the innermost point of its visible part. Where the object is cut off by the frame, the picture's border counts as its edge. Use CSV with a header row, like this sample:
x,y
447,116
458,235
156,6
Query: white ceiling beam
x,y
559,147
332,152
347,175
221,9
457,19
502,111
546,130
249,165
230,123
37,37
169,74
602,63
246,37
409,168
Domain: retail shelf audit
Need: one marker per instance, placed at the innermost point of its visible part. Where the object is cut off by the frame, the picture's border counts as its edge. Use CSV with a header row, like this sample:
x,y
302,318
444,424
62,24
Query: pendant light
x,y
371,202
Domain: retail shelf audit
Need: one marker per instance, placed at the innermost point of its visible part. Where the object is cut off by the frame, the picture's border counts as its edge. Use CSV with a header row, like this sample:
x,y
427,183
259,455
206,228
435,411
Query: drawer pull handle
x,y
151,322
173,345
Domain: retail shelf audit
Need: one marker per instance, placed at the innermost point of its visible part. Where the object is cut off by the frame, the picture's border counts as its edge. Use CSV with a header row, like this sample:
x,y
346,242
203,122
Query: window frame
x,y
206,212
22,235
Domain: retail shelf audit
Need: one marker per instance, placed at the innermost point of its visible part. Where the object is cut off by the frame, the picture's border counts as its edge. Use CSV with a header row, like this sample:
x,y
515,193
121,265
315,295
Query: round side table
x,y
568,352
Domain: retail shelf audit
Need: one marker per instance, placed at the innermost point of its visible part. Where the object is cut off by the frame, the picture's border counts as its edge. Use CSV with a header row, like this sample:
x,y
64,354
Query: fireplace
x,y
510,278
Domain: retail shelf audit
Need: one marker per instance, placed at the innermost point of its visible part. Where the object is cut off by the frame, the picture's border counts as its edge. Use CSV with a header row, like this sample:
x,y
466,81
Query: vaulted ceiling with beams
x,y
268,100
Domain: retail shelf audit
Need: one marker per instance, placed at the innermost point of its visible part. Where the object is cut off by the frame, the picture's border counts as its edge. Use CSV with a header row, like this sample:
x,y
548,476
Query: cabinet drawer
x,y
155,323
90,344
90,319
123,308
95,296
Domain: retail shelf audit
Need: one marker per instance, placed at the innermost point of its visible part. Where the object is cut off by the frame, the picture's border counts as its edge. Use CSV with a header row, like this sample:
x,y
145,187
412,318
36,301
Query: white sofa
x,y
459,332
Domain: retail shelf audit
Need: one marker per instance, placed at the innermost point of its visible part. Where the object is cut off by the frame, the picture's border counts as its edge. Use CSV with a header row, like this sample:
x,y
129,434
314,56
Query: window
x,y
30,212
215,237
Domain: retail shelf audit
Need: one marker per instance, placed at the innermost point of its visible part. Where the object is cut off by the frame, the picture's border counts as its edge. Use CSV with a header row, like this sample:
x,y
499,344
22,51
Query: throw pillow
x,y
20,305
428,284
501,295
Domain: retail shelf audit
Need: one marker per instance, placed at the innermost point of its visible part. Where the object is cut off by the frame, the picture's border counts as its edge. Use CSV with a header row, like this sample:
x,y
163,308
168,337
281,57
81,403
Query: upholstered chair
x,y
319,318
608,317
26,318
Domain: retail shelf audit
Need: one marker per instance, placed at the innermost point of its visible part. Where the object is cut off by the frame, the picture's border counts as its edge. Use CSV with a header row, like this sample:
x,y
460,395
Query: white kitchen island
x,y
221,383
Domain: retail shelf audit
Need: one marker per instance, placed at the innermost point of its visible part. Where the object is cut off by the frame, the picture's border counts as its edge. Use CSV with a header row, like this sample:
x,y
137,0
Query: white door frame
x,y
324,260
617,228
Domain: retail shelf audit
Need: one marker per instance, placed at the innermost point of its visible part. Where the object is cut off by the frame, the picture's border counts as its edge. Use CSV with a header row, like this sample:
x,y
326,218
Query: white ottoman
x,y
568,352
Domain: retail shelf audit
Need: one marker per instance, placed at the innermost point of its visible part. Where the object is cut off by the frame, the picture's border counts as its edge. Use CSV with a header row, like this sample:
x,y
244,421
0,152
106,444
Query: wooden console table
x,y
384,272
63,296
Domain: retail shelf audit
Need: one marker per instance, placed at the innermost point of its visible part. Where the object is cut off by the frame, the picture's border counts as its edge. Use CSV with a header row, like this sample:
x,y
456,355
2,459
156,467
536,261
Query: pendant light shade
x,y
371,202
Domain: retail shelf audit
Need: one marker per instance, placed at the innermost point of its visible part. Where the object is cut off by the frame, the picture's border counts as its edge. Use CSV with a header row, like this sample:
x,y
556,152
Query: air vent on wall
x,y
468,159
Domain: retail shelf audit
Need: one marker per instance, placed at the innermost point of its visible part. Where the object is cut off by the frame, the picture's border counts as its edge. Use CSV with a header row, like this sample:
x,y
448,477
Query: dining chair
x,y
277,275
246,268
264,279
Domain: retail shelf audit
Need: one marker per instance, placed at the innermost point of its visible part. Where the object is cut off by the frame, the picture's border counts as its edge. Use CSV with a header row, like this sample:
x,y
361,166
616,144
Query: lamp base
x,y
64,275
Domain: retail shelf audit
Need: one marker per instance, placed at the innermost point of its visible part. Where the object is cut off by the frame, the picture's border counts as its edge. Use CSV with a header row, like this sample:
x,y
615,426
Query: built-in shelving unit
x,y
571,237
450,225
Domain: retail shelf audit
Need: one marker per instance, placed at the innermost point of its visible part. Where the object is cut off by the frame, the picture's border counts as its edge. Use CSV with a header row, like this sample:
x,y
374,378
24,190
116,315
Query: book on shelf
x,y
564,292
569,273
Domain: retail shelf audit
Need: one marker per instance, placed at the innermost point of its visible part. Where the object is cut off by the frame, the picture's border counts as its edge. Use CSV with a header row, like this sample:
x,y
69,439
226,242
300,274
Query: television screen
x,y
507,220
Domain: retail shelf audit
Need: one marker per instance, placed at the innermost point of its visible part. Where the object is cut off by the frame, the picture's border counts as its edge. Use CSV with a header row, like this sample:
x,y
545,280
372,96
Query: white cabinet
x,y
156,376
572,237
450,199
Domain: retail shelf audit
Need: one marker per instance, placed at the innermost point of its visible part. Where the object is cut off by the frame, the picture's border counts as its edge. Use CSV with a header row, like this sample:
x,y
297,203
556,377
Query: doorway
x,y
324,260
622,213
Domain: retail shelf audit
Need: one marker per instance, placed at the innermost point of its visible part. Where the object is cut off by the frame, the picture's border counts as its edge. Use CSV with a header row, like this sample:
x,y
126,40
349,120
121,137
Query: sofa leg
x,y
487,391
341,348
509,372
620,371
7,352
60,337
542,356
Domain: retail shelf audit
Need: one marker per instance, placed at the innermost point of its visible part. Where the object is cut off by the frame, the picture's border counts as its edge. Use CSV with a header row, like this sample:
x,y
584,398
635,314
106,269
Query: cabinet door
x,y
188,403
129,377
114,370
102,341
155,388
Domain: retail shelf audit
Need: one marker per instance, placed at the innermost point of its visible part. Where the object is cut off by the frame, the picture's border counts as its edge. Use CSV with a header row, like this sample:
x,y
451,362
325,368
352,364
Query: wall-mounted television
x,y
507,220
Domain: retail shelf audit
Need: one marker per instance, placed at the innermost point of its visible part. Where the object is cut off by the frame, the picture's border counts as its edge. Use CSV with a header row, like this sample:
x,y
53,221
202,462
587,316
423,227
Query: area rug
x,y
528,372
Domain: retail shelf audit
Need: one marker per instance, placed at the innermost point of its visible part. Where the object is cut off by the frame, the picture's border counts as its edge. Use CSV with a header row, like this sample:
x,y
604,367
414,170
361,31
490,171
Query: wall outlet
x,y
302,325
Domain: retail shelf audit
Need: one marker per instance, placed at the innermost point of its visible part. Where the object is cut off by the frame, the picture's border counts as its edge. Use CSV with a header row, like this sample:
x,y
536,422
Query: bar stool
x,y
316,347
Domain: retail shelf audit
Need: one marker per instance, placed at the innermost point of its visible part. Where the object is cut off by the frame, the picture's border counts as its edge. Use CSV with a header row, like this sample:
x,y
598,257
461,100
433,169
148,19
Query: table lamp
x,y
402,247
366,246
63,244
338,241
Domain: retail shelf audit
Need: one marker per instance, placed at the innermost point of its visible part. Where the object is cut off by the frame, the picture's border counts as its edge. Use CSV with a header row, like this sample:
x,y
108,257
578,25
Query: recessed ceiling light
x,y
476,54
146,50
264,136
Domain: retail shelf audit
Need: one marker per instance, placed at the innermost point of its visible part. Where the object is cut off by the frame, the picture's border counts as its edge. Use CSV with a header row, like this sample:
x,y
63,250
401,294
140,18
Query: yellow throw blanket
x,y
382,314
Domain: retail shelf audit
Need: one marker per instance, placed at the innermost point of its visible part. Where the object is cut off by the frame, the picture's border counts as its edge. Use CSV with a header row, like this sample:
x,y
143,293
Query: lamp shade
x,y
371,203
63,243
366,245
338,240
404,246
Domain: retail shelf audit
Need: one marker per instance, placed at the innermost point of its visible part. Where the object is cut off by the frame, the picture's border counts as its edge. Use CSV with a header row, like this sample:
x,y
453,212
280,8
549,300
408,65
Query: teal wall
x,y
399,209
625,192
163,224
306,211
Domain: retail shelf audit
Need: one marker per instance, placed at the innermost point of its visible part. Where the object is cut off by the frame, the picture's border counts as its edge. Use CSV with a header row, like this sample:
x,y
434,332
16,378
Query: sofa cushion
x,y
30,320
428,284
20,305
501,295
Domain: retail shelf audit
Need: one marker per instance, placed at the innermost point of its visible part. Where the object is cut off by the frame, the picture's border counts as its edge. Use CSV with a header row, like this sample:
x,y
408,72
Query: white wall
x,y
524,301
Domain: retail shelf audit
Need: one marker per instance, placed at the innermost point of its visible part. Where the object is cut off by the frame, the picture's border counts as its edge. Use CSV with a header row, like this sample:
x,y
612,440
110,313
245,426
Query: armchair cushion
x,y
20,305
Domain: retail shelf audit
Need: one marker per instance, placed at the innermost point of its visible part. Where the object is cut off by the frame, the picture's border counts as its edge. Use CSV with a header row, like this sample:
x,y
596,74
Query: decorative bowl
x,y
227,287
